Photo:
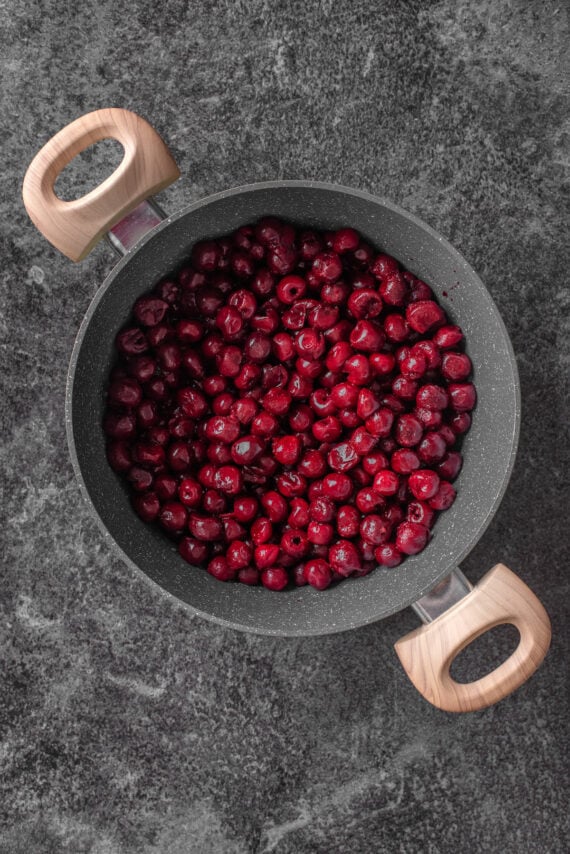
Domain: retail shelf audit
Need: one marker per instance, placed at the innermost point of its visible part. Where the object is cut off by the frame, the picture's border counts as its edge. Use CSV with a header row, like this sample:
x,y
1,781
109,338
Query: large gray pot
x,y
455,612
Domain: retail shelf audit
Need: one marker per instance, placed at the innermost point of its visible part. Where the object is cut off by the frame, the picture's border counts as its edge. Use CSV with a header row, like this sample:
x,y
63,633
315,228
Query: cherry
x,y
456,366
246,449
261,530
388,555
337,486
342,457
242,264
274,506
125,392
380,423
344,557
432,448
276,401
449,467
317,573
205,255
263,282
268,230
149,311
142,368
345,240
165,486
192,550
229,321
147,506
239,554
404,388
337,355
411,538
323,317
444,497
394,290
232,529
430,352
358,369
192,402
189,492
423,315
131,342
374,461
432,397
396,328
204,528
173,516
287,449
281,259
266,555
264,424
257,347
386,482
460,423
344,395
404,461
309,344
327,267
382,363
294,542
283,346
119,455
328,429
291,484
229,360
362,442
430,418
229,480
348,521
220,569
291,288
367,336
423,484
222,429
384,266
148,454
463,396
414,366
374,529
248,575
409,430
420,512
447,337
275,578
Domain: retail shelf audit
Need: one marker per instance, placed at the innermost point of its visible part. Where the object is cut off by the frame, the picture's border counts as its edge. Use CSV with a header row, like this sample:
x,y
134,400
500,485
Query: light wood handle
x,y
75,227
428,652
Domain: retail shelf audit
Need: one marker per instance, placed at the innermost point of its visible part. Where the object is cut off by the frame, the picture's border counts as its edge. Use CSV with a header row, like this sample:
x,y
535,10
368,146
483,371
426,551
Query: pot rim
x,y
124,261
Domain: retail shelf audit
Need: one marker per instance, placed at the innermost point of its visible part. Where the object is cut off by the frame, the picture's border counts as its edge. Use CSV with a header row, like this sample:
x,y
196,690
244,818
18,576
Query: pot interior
x,y
488,448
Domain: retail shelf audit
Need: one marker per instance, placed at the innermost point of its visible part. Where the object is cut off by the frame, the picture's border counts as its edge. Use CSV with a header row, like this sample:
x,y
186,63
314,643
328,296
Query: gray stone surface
x,y
126,725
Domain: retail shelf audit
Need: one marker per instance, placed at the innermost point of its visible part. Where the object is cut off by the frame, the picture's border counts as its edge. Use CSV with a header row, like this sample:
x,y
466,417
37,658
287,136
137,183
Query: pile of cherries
x,y
288,405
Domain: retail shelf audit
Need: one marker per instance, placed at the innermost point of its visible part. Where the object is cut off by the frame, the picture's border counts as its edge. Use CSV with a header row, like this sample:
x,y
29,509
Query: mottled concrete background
x,y
127,727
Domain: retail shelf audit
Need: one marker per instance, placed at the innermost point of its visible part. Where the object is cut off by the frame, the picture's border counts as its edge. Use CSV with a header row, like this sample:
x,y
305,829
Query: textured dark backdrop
x,y
126,725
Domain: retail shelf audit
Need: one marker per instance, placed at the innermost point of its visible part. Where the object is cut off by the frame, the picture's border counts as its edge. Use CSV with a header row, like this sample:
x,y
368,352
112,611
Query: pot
x,y
453,612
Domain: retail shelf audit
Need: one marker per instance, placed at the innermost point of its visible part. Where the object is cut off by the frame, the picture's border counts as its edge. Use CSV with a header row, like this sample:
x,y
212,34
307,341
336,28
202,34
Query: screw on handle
x,y
74,227
428,652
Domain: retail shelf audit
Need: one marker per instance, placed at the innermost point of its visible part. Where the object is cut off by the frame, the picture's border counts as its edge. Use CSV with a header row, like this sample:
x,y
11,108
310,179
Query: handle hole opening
x,y
485,653
88,169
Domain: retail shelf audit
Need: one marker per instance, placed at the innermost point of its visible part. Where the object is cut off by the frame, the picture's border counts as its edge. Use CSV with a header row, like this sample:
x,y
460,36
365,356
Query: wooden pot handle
x,y
75,227
428,652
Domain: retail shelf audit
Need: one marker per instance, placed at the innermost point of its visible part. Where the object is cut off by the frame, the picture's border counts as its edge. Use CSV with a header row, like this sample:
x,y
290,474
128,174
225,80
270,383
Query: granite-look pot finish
x,y
489,448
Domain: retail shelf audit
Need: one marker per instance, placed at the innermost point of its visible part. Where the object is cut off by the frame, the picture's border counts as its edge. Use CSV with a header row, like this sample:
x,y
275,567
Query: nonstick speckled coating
x,y
489,448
